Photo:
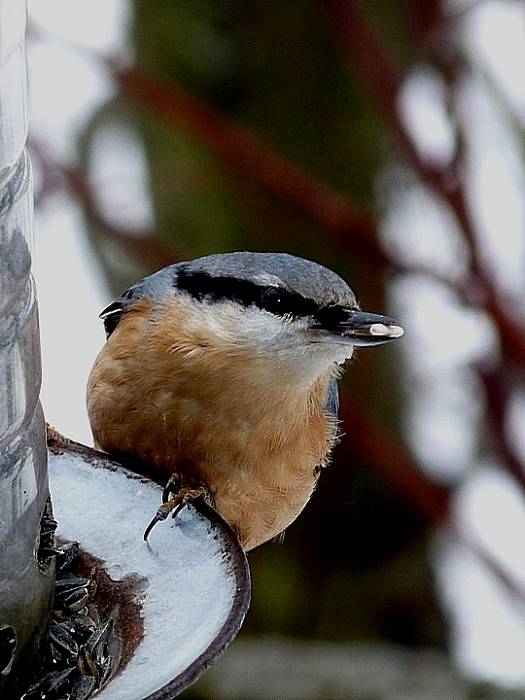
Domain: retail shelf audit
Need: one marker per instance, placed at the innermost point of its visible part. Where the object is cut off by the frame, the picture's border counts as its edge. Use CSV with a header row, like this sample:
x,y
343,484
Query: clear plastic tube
x,y
26,579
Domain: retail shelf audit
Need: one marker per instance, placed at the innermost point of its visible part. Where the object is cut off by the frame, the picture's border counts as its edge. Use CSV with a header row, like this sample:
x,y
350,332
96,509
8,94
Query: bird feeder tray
x,y
177,601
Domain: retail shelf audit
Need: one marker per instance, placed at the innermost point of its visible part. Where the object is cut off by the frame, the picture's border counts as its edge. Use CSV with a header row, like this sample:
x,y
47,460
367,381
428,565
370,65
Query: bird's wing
x,y
111,316
113,313
331,406
155,286
331,409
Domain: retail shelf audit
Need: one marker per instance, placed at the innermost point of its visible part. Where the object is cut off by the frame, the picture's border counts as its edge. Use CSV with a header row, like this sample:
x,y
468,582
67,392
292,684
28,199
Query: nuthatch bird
x,y
221,373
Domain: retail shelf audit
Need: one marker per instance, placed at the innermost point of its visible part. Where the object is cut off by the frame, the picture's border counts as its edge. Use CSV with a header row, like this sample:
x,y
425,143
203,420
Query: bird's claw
x,y
173,505
173,486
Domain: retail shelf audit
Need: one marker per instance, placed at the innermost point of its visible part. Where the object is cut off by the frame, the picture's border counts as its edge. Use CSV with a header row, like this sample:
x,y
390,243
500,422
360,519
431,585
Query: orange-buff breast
x,y
162,393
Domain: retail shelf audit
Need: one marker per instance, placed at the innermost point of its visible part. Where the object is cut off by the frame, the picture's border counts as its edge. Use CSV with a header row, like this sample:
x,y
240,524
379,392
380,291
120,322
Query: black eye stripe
x,y
331,317
277,300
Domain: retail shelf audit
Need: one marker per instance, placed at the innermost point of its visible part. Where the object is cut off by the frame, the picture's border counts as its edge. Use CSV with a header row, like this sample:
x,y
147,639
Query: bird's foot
x,y
173,487
173,505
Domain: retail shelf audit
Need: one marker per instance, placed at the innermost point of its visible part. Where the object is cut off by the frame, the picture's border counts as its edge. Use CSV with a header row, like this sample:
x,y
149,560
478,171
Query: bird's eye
x,y
273,300
284,302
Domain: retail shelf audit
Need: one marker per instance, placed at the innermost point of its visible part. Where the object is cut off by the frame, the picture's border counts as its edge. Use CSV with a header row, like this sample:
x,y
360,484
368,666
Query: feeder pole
x,y
26,575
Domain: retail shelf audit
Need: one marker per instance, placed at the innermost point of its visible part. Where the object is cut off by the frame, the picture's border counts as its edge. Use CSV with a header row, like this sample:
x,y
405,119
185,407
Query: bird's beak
x,y
364,329
357,327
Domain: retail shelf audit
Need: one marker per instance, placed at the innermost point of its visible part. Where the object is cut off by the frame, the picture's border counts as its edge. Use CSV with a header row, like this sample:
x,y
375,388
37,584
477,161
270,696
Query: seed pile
x,y
79,647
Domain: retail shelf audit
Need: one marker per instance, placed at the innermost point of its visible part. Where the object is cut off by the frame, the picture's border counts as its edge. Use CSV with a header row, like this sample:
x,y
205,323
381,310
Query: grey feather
x,y
305,277
309,279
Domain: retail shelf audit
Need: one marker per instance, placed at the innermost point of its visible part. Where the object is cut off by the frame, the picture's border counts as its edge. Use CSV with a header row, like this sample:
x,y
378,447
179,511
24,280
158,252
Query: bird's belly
x,y
259,511
243,433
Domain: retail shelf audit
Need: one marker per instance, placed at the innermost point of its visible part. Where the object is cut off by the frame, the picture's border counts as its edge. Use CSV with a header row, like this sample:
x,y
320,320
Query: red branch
x,y
376,69
147,247
246,153
497,394
383,79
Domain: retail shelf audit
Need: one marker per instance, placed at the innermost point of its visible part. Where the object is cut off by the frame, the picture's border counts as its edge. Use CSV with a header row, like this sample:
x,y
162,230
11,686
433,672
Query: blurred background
x,y
384,140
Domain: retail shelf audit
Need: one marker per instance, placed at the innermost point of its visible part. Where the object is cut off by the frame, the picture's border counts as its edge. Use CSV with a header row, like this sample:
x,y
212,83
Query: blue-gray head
x,y
271,304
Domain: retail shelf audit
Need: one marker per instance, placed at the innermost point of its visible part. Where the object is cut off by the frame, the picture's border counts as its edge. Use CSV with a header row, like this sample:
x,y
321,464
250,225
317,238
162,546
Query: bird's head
x,y
269,306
